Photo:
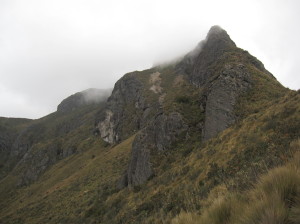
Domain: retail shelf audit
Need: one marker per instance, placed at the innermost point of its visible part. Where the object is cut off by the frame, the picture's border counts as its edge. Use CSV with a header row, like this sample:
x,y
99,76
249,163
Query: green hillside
x,y
210,138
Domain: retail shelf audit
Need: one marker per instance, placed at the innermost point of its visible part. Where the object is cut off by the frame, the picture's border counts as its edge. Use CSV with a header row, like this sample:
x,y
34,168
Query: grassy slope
x,y
275,198
9,127
81,189
65,192
190,177
188,180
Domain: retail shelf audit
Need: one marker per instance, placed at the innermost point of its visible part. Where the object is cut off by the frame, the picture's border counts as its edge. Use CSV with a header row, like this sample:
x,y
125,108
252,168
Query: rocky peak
x,y
196,64
216,44
86,97
218,38
222,72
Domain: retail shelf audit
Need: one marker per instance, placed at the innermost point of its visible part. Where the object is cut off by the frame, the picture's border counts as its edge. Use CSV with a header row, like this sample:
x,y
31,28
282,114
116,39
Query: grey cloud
x,y
96,95
50,50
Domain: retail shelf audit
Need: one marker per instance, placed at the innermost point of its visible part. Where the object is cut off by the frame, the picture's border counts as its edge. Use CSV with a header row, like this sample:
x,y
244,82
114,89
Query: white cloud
x,y
51,49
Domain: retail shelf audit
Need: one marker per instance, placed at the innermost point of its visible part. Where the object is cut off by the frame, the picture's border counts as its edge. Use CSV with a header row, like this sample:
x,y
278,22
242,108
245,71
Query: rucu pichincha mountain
x,y
210,138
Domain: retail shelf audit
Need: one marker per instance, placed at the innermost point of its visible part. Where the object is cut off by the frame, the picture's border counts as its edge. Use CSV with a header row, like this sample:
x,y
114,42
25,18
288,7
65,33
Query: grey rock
x,y
216,43
117,122
221,98
5,139
157,136
35,162
140,169
9,133
26,139
221,90
37,159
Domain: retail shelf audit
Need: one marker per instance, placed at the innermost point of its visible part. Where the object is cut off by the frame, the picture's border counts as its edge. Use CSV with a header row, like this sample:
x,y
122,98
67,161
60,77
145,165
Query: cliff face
x,y
10,150
126,92
216,44
221,97
162,131
217,68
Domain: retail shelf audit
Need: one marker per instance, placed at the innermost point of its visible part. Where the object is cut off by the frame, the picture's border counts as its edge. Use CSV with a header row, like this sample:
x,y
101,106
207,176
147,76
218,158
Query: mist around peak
x,y
86,97
94,95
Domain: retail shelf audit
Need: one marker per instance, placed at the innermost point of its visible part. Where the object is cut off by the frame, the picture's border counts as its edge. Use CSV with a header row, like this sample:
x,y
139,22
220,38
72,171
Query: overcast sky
x,y
50,49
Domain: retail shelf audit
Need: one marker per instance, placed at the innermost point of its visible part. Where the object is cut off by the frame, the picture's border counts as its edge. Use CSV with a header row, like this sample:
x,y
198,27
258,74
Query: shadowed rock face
x,y
15,144
6,139
127,90
159,135
37,159
221,98
222,86
28,158
217,42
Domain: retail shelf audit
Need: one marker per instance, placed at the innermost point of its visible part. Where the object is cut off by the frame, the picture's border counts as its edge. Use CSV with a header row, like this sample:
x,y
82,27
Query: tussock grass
x,y
273,200
186,217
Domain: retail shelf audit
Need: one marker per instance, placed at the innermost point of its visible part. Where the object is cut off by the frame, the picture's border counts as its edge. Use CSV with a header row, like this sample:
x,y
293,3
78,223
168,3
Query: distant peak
x,y
215,30
83,98
218,35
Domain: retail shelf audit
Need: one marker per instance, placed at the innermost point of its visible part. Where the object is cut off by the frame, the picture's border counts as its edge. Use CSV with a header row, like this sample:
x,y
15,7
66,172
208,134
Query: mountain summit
x,y
86,97
154,103
180,143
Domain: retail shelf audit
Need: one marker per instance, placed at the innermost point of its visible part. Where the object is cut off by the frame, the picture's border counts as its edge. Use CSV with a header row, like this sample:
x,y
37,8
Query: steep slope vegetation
x,y
29,147
9,129
274,199
174,140
82,188
196,98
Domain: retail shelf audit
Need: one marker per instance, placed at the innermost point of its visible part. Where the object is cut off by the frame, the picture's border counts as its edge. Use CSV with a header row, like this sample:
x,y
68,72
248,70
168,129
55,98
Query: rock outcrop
x,y
7,137
216,66
10,129
221,97
158,135
38,158
211,67
30,155
217,42
126,110
34,163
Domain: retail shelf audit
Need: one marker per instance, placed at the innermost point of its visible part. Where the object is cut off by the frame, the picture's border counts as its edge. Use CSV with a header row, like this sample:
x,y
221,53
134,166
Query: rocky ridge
x,y
29,150
181,136
86,97
214,67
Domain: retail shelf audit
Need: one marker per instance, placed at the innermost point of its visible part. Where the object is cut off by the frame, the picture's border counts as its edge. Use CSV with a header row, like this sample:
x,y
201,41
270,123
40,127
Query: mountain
x,y
210,138
84,98
29,147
